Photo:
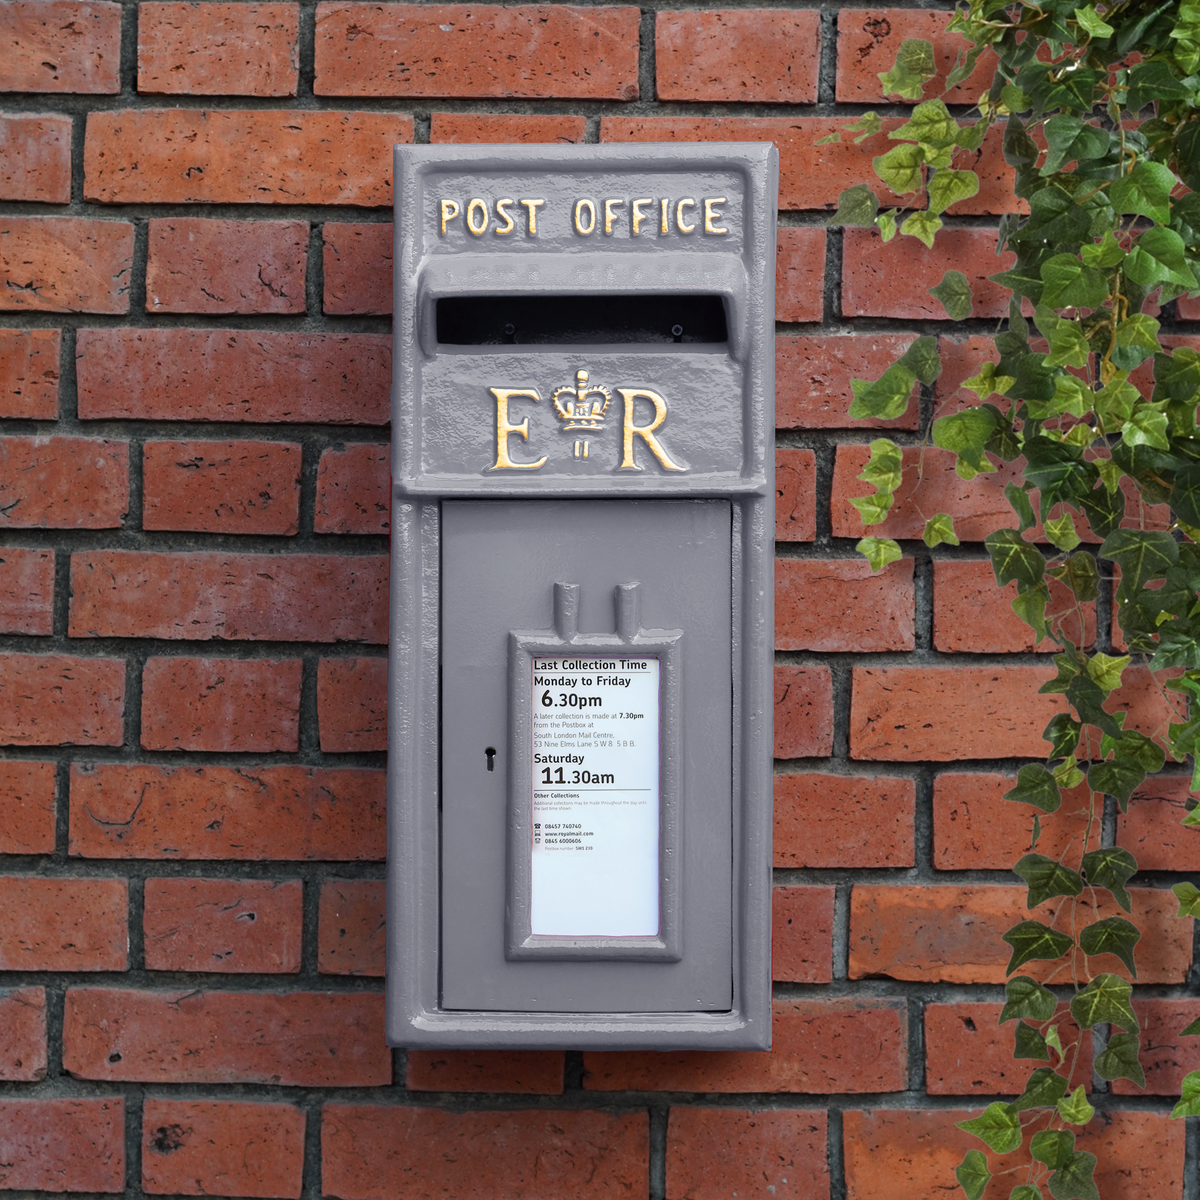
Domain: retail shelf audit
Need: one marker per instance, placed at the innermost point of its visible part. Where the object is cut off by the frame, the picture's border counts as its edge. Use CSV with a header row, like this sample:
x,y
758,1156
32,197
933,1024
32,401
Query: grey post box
x,y
580,686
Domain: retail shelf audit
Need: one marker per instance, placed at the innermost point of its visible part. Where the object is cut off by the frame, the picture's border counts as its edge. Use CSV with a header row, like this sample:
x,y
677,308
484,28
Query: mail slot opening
x,y
589,320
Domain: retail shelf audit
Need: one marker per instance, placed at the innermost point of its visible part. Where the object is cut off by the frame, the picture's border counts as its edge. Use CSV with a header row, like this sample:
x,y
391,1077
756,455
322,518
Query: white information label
x,y
595,797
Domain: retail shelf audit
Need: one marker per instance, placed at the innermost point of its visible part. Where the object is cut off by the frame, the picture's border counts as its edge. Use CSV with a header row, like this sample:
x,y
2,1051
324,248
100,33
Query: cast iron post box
x,y
580,686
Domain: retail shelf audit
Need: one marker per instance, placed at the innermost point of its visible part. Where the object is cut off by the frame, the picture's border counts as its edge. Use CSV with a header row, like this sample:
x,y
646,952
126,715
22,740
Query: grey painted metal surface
x,y
570,503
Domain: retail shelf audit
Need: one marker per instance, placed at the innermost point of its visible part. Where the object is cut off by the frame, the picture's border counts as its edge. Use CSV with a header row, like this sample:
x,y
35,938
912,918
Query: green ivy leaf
x,y
1145,191
885,467
922,359
1111,867
1075,1109
1036,786
1192,1029
901,168
1092,24
1044,1089
1189,1102
1014,558
1029,1043
1159,256
1074,1179
1030,605
1104,1000
1052,1147
954,295
1025,1191
973,1174
1189,899
1147,426
1018,498
938,529
997,1125
1063,735
967,433
1061,532
1152,81
1119,1059
1105,253
1117,779
886,398
856,206
1115,935
913,68
1107,670
1054,1042
1141,555
930,125
1185,497
1046,878
1069,284
923,226
887,225
873,509
1178,646
1136,340
1025,997
879,552
988,382
949,187
1032,939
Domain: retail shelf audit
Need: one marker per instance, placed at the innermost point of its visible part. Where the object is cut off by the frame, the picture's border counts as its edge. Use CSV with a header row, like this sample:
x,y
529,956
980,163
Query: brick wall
x,y
194,367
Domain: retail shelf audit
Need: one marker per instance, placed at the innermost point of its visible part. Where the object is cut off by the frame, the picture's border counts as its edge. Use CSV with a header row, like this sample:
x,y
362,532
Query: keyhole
x,y
491,757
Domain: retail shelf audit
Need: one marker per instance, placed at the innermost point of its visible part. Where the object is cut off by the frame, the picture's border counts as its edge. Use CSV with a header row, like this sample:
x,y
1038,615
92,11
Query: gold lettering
x,y
678,216
450,210
639,216
579,206
609,215
531,207
645,432
504,427
502,213
478,206
665,227
711,215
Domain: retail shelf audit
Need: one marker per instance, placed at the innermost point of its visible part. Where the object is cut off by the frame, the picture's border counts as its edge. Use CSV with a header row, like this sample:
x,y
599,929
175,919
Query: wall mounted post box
x,y
581,660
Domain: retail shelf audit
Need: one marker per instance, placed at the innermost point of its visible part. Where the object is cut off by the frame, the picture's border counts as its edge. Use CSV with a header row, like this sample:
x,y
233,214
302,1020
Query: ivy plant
x,y
1096,107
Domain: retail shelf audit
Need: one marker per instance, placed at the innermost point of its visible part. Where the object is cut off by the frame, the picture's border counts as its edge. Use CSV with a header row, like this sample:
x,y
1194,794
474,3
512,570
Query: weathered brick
x,y
914,714
26,591
799,272
58,699
953,934
715,1153
218,49
843,820
545,50
802,934
755,55
376,1152
197,265
234,375
354,489
1165,1056
1151,829
803,712
530,1072
35,157
23,1034
222,487
63,924
235,926
244,597
60,46
298,1039
351,927
840,604
63,483
352,704
795,495
1187,309
503,128
222,1148
29,373
65,264
357,263
813,374
272,813
818,1046
59,1145
893,279
222,156
28,801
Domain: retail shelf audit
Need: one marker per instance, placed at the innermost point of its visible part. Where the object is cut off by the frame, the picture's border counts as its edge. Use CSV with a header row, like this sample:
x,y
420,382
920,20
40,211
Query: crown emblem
x,y
579,411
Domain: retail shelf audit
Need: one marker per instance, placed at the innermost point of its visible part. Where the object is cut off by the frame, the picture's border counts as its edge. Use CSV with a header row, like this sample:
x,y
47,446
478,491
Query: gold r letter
x,y
504,427
646,432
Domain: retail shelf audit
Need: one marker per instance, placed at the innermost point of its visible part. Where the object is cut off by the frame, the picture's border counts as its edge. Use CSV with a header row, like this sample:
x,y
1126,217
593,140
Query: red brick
x,y
843,820
218,49
799,270
530,1072
299,1039
62,1145
221,704
1165,1056
352,704
235,926
505,128
234,375
839,604
753,55
976,829
35,157
1187,309
222,487
969,1053
29,373
58,699
65,264
357,262
476,50
63,483
914,714
213,1148
795,495
271,813
802,934
351,927
961,358
27,591
23,1034
243,597
1151,831
803,712
60,46
914,1153
868,39
223,156
198,265
714,1153
63,924
953,934
819,1046
893,280
813,377
354,489
972,614
27,799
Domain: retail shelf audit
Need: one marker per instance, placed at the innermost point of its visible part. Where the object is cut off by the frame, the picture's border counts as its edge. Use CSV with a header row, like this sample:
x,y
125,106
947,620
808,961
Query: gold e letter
x,y
646,432
504,427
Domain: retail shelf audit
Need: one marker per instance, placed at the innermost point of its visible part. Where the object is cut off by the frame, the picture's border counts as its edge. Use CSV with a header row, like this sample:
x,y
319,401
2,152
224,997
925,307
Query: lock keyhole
x,y
491,757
